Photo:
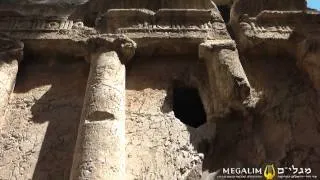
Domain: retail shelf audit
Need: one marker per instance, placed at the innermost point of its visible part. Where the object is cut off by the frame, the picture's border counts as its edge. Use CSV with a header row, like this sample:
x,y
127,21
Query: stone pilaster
x,y
227,78
10,55
100,148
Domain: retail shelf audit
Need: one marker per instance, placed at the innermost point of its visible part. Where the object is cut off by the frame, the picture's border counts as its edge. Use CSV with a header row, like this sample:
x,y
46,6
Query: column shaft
x,y
228,81
11,52
8,74
100,148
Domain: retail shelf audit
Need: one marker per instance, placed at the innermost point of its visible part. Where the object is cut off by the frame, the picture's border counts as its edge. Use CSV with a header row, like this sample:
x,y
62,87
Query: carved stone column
x,y
229,84
10,54
100,149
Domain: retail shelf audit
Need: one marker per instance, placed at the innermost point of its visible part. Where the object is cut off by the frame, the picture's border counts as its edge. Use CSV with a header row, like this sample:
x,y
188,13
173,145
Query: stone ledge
x,y
162,21
218,44
78,43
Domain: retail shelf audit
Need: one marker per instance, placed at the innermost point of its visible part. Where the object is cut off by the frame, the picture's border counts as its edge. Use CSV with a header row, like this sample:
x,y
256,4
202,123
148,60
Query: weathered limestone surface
x,y
10,54
57,8
291,30
287,115
286,28
278,51
158,145
229,83
97,7
100,149
39,130
254,7
164,20
37,24
165,31
308,59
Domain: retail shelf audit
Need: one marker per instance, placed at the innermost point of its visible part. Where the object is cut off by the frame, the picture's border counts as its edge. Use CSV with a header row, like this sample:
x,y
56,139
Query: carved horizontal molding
x,y
253,30
163,21
37,24
176,28
279,24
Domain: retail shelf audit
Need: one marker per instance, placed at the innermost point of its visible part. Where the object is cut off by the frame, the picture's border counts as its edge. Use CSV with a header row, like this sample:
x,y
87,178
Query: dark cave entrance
x,y
188,107
225,12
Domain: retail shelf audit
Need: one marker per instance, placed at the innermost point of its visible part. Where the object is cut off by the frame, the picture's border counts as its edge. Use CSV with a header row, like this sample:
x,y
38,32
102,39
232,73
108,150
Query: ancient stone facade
x,y
138,89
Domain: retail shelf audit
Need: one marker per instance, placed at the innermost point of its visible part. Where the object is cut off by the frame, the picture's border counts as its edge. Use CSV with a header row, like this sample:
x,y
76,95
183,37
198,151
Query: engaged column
x,y
100,149
10,54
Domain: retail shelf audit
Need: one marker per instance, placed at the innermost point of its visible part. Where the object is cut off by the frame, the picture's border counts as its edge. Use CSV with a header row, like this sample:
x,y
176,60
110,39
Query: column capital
x,y
100,148
212,45
10,48
121,44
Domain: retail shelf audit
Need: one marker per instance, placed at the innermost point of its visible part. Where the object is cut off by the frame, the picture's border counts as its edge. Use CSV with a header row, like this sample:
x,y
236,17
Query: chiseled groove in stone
x,y
100,116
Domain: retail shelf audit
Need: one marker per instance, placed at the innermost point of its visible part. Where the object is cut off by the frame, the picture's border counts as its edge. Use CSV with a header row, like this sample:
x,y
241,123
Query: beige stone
x,y
100,149
227,78
10,55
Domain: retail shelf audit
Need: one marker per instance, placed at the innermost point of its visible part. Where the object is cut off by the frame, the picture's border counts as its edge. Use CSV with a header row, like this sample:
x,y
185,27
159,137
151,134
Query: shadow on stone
x,y
60,106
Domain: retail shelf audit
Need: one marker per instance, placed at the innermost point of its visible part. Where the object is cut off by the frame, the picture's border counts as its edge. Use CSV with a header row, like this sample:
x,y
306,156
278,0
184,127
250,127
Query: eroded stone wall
x,y
283,127
160,146
40,128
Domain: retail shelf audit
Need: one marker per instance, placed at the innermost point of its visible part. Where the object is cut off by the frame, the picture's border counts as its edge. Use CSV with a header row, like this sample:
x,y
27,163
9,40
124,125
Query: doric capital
x,y
124,46
218,44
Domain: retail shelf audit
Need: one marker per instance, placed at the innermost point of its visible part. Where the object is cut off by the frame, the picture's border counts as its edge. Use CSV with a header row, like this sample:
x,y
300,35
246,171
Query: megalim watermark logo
x,y
268,172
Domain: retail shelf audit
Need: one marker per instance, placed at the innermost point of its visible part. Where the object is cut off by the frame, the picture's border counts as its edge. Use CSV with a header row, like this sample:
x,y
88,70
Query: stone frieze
x,y
164,21
279,24
13,24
